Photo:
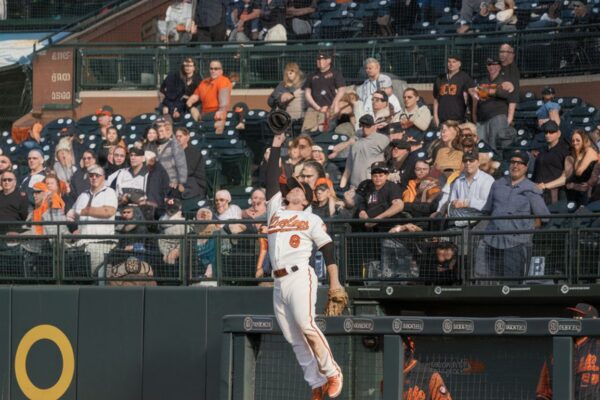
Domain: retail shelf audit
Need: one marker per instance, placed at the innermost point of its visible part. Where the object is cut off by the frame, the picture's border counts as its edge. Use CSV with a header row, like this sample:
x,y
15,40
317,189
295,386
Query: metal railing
x,y
540,53
565,250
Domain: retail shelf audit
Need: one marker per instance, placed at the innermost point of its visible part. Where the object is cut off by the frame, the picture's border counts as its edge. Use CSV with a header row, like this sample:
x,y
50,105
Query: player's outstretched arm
x,y
332,268
273,166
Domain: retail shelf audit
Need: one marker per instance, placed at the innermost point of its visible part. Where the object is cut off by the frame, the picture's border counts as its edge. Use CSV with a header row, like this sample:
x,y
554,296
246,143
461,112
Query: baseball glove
x,y
337,300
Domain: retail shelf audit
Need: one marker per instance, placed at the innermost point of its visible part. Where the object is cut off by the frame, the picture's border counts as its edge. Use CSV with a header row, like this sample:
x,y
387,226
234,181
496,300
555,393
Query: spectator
x,y
56,189
5,164
469,192
289,95
485,13
468,9
272,20
299,150
196,185
130,183
380,199
214,94
170,248
375,81
492,107
177,88
298,13
105,119
550,163
70,137
578,169
450,93
508,254
417,152
424,188
112,140
98,203
323,90
178,26
132,213
550,110
80,181
64,164
581,13
396,154
549,19
172,157
383,111
245,16
448,151
510,71
35,162
158,182
258,205
314,174
210,20
13,203
469,140
414,117
206,248
506,15
324,205
365,151
224,210
444,268
150,138
331,170
116,161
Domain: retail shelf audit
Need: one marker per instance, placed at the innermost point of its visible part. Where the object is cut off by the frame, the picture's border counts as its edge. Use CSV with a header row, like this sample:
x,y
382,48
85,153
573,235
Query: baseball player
x,y
420,381
292,230
586,356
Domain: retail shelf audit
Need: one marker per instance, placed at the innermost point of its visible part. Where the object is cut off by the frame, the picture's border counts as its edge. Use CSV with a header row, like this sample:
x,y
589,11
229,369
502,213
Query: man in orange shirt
x,y
214,94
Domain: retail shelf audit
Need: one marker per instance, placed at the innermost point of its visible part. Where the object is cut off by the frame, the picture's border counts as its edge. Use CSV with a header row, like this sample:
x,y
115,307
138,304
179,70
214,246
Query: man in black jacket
x,y
195,186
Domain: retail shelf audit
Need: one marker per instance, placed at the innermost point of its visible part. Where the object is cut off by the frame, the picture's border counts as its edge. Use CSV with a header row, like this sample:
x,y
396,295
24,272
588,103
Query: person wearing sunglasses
x,y
98,203
508,255
214,94
13,204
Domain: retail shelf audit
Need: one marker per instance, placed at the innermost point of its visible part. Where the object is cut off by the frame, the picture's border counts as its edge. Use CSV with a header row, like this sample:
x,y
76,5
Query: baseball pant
x,y
294,299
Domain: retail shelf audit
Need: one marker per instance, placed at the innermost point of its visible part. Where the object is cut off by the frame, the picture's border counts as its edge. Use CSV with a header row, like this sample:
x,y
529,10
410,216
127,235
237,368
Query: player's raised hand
x,y
278,139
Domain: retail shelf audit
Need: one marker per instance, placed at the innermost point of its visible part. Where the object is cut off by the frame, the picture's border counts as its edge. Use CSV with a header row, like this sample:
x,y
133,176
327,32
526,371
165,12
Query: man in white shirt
x,y
469,192
99,203
376,81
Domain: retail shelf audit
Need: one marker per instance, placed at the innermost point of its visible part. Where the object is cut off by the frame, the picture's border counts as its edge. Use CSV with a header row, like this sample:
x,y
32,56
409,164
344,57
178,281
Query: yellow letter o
x,y
61,341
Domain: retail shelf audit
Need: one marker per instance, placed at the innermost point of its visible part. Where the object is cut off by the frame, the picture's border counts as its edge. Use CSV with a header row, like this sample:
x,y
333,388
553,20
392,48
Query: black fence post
x,y
562,369
393,363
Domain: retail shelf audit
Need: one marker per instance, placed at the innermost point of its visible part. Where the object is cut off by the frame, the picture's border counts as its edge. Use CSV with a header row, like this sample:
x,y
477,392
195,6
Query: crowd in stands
x,y
374,151
281,20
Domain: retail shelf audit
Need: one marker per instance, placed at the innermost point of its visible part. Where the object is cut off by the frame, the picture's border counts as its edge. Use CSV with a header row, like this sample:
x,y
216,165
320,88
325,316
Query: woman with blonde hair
x,y
289,95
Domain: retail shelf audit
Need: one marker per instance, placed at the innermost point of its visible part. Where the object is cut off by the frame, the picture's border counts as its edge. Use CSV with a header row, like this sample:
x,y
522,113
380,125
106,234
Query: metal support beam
x,y
562,369
393,362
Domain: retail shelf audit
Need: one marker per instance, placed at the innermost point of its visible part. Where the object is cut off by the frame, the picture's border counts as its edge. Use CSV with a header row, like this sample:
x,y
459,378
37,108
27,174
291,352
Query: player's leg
x,y
303,309
294,336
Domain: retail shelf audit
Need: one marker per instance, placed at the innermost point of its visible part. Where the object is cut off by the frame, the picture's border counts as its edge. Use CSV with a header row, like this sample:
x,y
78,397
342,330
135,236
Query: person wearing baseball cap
x,y
495,100
586,362
550,109
369,148
513,194
395,155
382,197
449,91
104,117
550,162
131,183
323,91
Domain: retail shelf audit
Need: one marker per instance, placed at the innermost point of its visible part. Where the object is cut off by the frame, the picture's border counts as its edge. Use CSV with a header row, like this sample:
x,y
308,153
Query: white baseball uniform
x,y
291,235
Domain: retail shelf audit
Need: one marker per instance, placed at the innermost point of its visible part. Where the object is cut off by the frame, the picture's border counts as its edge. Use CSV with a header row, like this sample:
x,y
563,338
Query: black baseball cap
x,y
548,90
470,155
366,120
400,144
522,155
294,183
415,134
550,126
454,57
324,54
584,310
379,166
493,61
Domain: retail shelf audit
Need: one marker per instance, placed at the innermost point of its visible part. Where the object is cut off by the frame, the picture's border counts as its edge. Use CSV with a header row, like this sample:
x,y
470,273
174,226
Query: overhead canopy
x,y
17,48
